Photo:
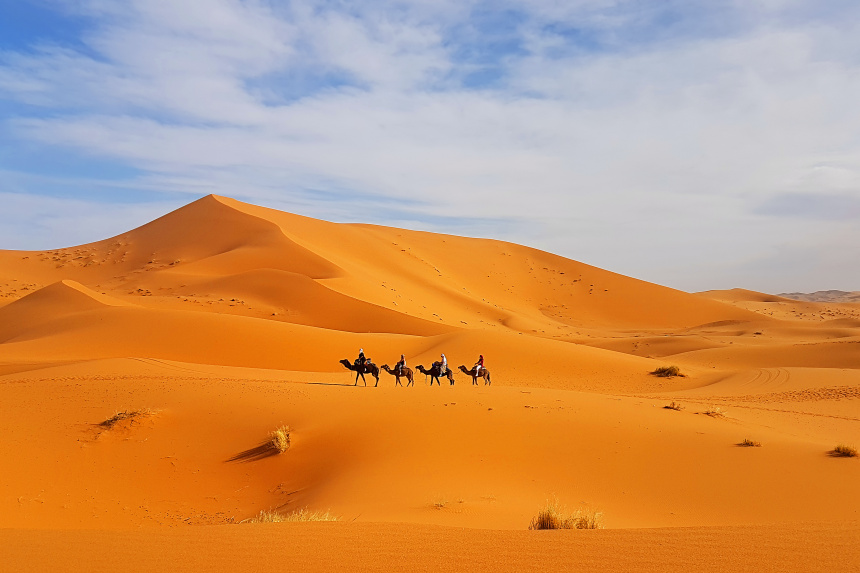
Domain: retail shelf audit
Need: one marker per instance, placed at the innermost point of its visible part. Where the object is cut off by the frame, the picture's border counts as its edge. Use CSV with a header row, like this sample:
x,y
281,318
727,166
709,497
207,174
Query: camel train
x,y
362,366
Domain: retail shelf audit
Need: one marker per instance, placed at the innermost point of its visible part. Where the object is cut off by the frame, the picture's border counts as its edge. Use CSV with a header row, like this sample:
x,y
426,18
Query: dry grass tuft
x,y
674,406
553,517
280,439
130,415
747,443
667,372
844,451
299,515
714,412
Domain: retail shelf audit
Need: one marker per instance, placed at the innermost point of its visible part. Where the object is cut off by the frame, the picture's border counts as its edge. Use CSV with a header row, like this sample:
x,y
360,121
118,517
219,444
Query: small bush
x,y
440,503
843,451
280,440
674,406
553,517
747,443
667,372
714,412
130,415
298,515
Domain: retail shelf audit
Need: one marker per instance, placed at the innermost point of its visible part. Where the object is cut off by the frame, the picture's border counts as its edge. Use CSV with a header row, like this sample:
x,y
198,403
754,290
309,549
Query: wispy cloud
x,y
653,139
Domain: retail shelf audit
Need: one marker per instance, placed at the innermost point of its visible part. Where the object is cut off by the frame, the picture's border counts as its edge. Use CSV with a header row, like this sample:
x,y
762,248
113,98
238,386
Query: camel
x,y
368,369
406,373
435,373
485,374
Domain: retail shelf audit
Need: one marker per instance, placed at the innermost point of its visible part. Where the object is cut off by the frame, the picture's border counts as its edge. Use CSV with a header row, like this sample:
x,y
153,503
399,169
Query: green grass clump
x,y
844,451
667,372
553,517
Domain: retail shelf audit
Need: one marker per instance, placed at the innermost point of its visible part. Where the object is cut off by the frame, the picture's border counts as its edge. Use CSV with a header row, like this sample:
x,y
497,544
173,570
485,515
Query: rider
x,y
479,364
443,366
400,365
361,360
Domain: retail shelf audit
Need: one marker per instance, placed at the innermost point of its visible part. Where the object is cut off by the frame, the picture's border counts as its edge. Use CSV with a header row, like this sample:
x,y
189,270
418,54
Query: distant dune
x,y
824,296
210,327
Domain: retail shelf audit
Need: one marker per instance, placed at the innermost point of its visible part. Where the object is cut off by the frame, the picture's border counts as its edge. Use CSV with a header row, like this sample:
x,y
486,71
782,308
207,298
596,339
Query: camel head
x,y
463,368
346,363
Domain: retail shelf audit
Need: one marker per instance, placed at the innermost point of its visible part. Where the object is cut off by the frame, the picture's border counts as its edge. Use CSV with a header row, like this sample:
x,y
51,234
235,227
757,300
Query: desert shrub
x,y
130,415
674,406
714,412
667,372
553,517
280,439
844,451
747,443
299,515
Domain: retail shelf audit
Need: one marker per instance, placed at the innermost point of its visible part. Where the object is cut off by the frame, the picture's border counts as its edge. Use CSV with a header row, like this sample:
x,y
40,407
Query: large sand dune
x,y
222,321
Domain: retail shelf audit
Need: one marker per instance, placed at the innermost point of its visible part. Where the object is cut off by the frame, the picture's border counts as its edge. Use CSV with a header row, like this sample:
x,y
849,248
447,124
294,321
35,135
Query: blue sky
x,y
693,144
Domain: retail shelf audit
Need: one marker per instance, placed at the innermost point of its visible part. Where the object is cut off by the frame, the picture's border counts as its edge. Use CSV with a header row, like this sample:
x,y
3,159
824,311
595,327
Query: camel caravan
x,y
439,369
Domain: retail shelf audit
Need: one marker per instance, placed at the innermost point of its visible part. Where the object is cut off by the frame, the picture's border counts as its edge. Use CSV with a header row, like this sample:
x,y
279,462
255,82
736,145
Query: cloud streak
x,y
655,141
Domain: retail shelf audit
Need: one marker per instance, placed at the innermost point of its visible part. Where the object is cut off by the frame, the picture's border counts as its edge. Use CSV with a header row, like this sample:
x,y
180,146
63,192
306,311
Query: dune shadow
x,y
264,450
330,384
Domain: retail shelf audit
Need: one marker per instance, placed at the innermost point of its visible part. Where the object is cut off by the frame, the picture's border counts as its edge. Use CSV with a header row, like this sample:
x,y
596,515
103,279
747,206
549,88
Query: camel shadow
x,y
330,384
264,450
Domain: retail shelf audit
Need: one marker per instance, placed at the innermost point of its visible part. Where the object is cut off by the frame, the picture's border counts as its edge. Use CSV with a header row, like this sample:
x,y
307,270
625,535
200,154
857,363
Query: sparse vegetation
x,y
130,415
553,517
280,439
299,515
439,503
674,406
747,443
714,412
667,372
844,451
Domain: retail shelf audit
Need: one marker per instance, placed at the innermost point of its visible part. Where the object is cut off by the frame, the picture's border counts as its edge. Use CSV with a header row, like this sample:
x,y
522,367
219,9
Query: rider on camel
x,y
479,364
398,368
361,360
443,366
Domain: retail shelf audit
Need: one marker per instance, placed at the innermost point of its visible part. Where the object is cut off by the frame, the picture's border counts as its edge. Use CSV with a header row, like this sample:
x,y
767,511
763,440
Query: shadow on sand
x,y
264,450
330,384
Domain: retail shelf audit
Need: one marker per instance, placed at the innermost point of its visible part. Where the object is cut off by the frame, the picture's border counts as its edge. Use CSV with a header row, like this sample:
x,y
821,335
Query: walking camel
x,y
485,374
368,369
405,373
435,373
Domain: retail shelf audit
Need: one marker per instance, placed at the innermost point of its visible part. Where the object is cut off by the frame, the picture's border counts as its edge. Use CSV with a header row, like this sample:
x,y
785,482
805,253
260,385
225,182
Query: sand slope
x,y
222,321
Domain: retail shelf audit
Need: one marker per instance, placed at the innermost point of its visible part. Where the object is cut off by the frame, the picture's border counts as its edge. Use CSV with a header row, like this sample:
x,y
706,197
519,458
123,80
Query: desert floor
x,y
218,323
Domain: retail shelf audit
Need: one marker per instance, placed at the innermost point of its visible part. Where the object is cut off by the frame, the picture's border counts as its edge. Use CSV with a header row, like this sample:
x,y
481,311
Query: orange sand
x,y
227,320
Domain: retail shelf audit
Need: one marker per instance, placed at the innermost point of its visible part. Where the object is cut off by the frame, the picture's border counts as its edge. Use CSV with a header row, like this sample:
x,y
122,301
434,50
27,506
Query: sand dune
x,y
221,321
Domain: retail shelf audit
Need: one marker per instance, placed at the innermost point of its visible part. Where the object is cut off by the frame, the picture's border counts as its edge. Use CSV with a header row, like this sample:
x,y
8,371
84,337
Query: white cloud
x,y
616,151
